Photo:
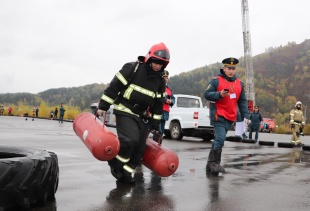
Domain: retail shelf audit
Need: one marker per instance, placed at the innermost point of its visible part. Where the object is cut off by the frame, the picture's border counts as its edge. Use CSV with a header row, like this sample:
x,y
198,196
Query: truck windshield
x,y
188,102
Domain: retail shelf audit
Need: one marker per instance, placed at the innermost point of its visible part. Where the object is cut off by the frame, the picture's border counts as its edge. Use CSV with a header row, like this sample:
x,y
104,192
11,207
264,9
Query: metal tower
x,y
249,73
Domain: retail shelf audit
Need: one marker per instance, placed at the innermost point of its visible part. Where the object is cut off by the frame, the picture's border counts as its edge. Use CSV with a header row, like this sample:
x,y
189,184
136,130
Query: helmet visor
x,y
162,54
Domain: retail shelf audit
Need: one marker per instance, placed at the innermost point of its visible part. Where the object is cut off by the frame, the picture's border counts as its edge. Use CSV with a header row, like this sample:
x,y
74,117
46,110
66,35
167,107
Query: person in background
x,y
255,118
61,113
56,112
297,122
10,111
169,101
37,112
138,88
1,110
52,114
225,92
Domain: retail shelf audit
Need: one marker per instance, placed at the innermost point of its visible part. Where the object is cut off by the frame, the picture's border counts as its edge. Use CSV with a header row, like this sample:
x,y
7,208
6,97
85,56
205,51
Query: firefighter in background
x,y
169,101
225,92
135,88
297,123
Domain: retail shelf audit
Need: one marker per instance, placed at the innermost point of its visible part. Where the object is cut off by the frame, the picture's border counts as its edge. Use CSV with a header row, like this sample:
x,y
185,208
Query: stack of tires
x,y
27,177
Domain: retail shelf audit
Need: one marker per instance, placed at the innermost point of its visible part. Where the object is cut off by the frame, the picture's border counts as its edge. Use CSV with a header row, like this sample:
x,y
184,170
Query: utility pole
x,y
249,73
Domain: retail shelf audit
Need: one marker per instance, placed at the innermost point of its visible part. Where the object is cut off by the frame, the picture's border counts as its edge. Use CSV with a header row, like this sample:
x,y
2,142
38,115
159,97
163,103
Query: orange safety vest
x,y
166,106
227,106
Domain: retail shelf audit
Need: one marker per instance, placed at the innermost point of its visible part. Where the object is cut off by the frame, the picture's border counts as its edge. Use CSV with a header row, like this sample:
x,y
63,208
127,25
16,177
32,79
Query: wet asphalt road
x,y
257,177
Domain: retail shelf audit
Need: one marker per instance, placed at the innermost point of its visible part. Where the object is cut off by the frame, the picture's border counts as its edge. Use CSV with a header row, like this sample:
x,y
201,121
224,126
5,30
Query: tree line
x,y
281,77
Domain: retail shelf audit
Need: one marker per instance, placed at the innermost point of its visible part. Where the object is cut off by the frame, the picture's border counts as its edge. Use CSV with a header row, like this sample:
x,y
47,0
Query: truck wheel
x,y
27,177
176,131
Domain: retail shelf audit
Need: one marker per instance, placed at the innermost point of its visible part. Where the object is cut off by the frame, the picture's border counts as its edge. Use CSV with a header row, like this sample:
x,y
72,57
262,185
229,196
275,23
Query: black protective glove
x,y
103,105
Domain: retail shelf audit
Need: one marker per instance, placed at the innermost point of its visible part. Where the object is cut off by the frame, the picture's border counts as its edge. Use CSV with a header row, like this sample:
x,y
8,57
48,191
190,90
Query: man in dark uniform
x,y
137,88
225,92
255,118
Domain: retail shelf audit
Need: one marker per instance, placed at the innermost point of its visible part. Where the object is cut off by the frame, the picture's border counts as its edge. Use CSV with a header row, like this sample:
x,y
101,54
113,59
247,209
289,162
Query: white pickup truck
x,y
188,117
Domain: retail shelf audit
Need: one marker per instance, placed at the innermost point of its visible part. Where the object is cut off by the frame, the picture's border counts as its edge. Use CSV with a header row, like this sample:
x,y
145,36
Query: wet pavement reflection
x,y
257,177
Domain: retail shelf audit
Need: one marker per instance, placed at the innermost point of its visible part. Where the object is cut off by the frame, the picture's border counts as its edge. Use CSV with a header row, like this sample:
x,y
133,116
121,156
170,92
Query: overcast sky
x,y
69,43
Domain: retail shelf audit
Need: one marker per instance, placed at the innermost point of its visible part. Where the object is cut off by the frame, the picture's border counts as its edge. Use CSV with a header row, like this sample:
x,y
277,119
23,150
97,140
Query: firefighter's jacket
x,y
297,117
133,93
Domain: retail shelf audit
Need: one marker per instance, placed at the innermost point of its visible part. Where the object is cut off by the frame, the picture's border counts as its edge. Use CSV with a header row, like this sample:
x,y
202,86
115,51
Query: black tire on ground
x,y
27,177
266,143
208,137
176,131
250,141
234,138
305,147
285,145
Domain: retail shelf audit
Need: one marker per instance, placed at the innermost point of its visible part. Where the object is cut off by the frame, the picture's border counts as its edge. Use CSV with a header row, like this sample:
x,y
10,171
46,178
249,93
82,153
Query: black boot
x,y
214,161
217,167
126,178
211,160
116,168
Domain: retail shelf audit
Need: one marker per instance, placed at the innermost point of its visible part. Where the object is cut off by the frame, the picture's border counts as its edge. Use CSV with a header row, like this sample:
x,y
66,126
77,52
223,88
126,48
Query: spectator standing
x,y
169,101
56,112
255,118
37,112
10,111
52,114
225,92
1,110
61,113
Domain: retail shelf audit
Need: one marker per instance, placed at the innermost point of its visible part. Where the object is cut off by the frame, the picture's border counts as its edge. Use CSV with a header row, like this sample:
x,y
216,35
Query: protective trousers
x,y
132,133
295,134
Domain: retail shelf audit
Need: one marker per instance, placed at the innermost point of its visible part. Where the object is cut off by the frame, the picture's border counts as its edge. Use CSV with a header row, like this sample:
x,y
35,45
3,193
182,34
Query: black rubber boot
x,y
210,160
116,168
126,178
217,156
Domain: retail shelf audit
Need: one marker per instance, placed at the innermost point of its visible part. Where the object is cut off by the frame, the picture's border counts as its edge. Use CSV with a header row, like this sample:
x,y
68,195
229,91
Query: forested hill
x,y
80,97
281,78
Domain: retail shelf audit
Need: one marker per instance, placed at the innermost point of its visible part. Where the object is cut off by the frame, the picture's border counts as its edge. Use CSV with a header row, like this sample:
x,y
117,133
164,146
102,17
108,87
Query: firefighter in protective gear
x,y
225,92
297,122
137,88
